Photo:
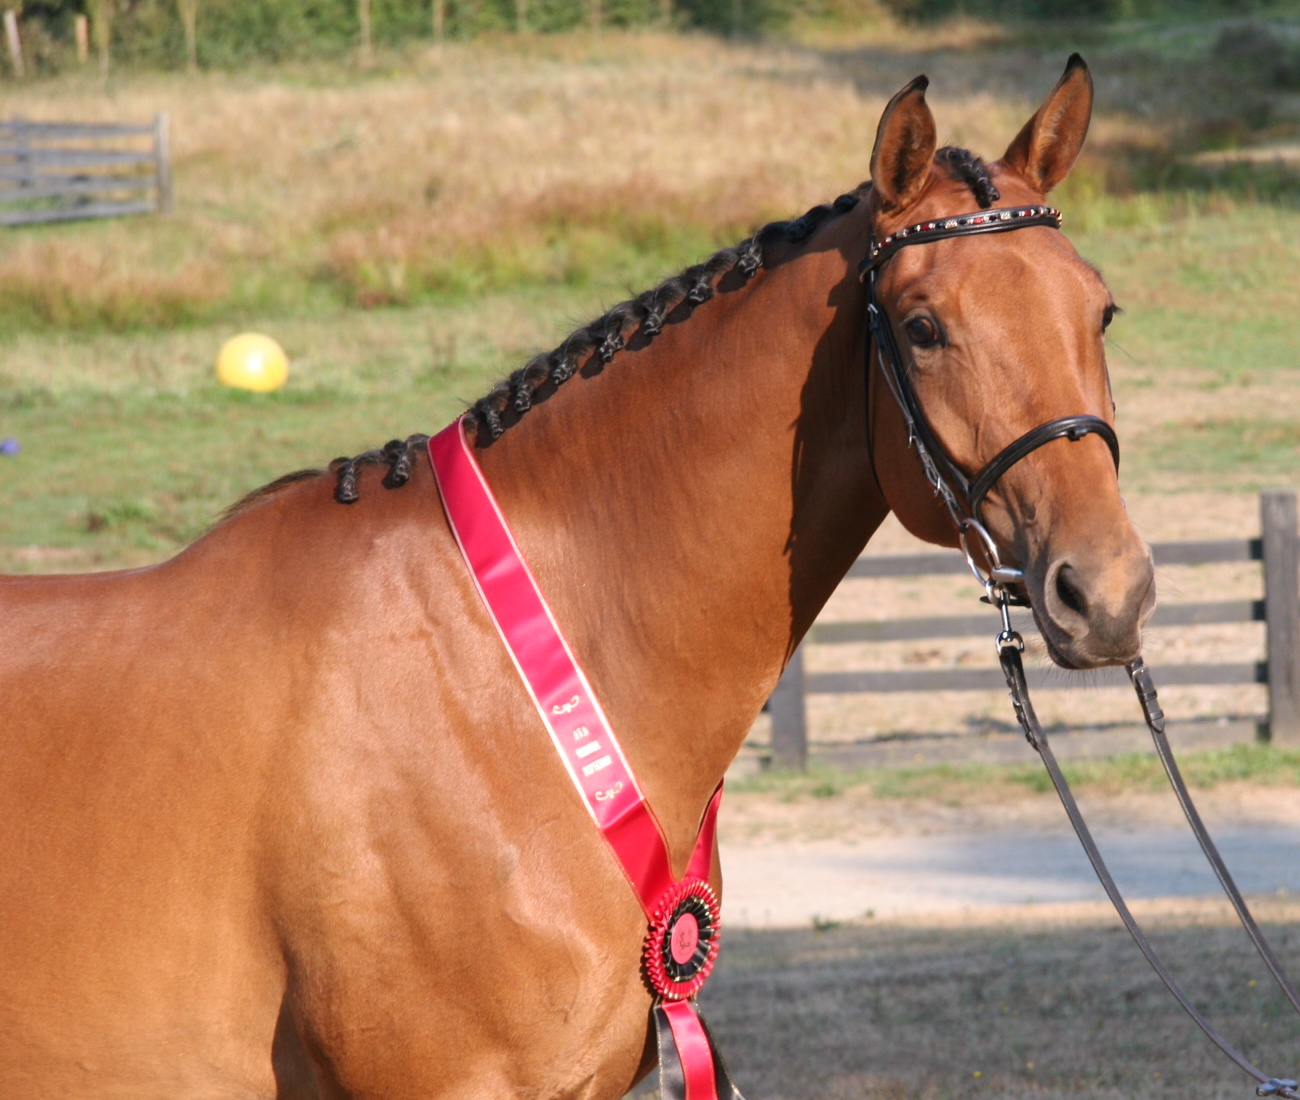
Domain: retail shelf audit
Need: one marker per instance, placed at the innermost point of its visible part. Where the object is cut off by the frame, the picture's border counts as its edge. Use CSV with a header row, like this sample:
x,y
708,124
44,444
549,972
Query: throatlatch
x,y
683,915
963,497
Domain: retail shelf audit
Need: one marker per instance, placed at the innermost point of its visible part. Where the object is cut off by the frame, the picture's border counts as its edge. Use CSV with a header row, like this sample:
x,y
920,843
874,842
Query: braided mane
x,y
641,318
644,315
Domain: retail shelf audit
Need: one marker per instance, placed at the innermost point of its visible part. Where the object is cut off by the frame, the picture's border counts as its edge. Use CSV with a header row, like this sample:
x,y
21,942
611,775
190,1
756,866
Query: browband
x,y
963,225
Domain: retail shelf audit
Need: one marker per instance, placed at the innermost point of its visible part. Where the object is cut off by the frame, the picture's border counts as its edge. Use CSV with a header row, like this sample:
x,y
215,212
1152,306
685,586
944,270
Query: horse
x,y
276,815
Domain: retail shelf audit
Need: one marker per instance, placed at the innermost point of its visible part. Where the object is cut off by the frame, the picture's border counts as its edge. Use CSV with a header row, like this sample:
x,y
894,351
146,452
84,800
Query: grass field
x,y
412,231
415,230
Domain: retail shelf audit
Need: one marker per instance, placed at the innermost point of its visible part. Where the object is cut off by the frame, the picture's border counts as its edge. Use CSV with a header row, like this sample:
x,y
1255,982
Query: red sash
x,y
683,913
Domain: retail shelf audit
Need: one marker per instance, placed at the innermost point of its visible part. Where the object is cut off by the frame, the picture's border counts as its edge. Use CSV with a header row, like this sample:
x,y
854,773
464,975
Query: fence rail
x,y
1277,551
66,171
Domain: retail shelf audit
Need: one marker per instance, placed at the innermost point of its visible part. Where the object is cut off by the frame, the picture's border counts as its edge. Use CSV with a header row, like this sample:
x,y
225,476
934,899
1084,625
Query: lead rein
x,y
1009,647
963,496
1141,677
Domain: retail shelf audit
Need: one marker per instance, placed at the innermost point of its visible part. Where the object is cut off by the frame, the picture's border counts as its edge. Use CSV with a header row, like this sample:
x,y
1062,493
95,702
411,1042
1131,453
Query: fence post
x,y
15,43
789,718
162,151
81,27
1277,514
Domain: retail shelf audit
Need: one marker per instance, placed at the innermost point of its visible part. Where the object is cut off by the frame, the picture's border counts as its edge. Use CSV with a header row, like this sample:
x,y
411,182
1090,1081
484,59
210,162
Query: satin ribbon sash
x,y
568,708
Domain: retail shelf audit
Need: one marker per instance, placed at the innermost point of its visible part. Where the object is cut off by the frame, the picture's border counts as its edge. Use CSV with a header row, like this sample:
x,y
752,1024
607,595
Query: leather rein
x,y
963,496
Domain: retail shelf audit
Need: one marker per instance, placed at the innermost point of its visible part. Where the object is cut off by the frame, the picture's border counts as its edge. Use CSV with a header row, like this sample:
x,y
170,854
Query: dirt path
x,y
854,857
801,885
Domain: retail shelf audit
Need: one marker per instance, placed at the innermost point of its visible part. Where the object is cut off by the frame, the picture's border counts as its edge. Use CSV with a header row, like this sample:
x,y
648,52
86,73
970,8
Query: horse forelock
x,y
966,167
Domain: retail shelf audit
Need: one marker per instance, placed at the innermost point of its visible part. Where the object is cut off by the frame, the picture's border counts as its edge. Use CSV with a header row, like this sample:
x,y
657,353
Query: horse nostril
x,y
1068,593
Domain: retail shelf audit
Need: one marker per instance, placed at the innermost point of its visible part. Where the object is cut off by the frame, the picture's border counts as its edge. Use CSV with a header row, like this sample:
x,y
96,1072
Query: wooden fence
x,y
63,171
1278,551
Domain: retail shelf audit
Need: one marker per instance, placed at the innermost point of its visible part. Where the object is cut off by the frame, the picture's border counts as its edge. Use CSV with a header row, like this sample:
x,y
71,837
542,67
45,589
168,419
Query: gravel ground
x,y
795,862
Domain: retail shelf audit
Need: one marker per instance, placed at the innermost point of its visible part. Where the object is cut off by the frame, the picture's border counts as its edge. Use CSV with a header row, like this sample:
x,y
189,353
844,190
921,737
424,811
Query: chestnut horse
x,y
286,792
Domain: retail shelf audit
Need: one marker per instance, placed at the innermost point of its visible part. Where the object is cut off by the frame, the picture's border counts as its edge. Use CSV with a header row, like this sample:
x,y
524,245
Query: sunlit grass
x,y
956,784
1268,449
412,232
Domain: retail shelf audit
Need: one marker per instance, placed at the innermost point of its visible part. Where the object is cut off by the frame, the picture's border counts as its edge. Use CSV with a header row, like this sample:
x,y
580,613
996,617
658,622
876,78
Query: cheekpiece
x,y
683,940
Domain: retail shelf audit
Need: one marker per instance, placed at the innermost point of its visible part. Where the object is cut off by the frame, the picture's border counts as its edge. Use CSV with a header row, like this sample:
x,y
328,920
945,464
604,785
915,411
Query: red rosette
x,y
682,943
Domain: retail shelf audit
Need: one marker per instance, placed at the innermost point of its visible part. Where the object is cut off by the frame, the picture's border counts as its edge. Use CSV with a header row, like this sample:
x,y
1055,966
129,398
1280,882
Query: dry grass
x,y
476,166
69,284
509,161
466,168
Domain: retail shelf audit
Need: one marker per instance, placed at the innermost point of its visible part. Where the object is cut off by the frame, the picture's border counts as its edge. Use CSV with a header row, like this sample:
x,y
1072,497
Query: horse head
x,y
995,337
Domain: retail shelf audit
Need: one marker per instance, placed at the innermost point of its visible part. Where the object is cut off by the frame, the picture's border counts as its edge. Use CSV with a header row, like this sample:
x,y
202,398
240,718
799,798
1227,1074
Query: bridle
x,y
963,497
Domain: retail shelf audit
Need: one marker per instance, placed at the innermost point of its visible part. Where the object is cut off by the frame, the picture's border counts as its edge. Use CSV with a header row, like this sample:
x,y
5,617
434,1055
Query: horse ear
x,y
1046,149
905,141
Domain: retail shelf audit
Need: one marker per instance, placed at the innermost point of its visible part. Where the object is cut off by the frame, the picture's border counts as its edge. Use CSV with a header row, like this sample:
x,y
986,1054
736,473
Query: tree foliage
x,y
233,32
230,33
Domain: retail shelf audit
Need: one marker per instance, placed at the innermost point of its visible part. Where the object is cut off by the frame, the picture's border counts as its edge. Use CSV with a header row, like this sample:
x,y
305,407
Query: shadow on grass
x,y
1053,1002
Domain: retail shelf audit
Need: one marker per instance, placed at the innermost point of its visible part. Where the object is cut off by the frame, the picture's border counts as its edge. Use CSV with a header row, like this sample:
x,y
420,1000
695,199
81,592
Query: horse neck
x,y
688,509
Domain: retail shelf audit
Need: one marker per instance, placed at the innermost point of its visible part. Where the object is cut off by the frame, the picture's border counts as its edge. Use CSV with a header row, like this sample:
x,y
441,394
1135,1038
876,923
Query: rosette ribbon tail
x,y
690,1067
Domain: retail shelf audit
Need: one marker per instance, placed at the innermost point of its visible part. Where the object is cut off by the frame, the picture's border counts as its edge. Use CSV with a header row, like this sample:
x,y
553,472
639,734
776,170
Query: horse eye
x,y
1107,317
921,331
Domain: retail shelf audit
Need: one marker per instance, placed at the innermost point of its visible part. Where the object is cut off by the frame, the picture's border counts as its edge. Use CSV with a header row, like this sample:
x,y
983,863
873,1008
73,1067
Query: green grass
x,y
1268,449
121,474
1206,280
130,448
957,784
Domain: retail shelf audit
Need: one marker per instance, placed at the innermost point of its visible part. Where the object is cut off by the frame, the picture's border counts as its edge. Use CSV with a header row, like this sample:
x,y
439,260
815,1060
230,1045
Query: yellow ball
x,y
251,361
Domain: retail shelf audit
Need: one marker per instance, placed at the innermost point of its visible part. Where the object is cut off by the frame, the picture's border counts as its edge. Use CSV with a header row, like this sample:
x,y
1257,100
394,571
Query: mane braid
x,y
642,317
972,171
397,454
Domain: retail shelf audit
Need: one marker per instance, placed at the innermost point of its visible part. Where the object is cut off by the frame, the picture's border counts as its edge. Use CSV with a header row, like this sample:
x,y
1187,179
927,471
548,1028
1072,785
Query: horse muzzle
x,y
1092,602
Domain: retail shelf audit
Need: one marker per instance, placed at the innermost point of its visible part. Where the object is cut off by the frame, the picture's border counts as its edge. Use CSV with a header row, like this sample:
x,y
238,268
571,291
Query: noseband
x,y
962,495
